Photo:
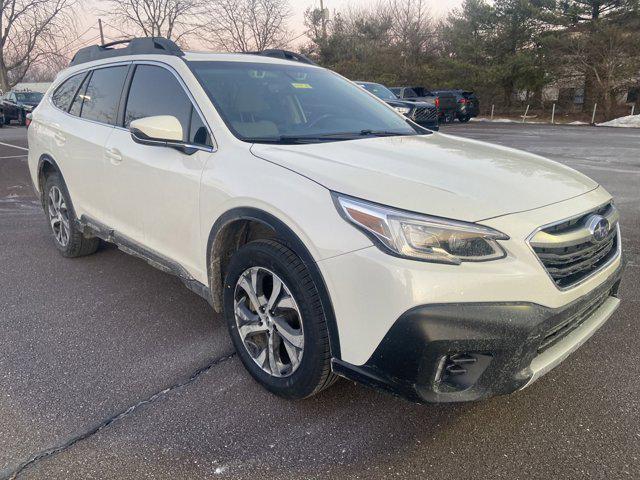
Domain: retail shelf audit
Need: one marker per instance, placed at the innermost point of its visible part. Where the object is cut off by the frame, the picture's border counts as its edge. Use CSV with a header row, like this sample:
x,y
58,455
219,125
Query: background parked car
x,y
468,105
16,105
424,114
446,102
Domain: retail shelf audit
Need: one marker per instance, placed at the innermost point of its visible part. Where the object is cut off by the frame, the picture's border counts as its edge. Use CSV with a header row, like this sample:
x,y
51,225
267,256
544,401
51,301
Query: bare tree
x,y
30,30
247,25
47,67
411,26
173,19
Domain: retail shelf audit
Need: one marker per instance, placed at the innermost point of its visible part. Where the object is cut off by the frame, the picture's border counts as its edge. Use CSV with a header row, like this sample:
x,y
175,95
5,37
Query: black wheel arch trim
x,y
292,241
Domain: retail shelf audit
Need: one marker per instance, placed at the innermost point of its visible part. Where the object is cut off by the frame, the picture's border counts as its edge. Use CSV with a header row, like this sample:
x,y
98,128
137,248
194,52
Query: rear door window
x,y
63,95
100,102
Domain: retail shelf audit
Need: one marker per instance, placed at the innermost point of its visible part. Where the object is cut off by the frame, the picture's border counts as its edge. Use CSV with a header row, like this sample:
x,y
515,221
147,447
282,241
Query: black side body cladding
x,y
97,229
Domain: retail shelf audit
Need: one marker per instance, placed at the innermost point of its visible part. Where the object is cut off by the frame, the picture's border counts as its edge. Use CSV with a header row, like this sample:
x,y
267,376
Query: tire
x,y
464,118
298,375
68,239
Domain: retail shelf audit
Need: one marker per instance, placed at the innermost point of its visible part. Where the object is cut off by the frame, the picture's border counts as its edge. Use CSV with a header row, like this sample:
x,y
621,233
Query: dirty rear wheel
x,y
68,239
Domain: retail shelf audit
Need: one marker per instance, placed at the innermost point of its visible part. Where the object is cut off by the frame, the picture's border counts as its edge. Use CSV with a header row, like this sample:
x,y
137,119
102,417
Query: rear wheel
x,y
464,118
69,240
276,322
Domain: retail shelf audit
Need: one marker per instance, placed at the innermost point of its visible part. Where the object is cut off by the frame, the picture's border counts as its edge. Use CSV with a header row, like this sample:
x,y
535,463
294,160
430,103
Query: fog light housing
x,y
460,371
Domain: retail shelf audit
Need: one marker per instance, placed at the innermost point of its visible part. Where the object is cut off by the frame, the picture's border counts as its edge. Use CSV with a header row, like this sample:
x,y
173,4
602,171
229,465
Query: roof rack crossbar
x,y
135,46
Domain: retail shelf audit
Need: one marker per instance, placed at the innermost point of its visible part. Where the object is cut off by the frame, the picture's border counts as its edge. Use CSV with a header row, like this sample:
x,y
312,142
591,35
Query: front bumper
x,y
504,339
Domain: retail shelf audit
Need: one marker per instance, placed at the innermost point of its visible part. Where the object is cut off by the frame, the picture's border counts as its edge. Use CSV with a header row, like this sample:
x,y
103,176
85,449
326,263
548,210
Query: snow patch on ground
x,y
630,121
495,120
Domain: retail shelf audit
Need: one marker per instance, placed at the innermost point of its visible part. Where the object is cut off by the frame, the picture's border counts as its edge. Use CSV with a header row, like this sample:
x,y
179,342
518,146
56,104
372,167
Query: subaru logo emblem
x,y
598,227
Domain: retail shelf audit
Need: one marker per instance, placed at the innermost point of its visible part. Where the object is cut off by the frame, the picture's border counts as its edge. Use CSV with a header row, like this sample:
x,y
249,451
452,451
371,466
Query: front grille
x,y
558,332
569,251
425,114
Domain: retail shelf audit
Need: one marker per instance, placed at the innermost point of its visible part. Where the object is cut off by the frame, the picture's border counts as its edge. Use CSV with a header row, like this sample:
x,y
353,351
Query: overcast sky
x,y
88,21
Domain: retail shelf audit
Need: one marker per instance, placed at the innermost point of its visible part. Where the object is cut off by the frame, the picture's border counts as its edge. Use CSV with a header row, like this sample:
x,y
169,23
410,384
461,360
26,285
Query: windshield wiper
x,y
381,133
324,137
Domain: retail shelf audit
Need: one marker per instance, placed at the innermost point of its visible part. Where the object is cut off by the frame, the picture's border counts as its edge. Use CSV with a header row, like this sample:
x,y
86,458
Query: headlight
x,y
403,110
421,237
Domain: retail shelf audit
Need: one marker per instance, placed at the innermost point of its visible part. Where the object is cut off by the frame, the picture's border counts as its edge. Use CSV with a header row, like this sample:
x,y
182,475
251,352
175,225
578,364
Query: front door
x,y
158,186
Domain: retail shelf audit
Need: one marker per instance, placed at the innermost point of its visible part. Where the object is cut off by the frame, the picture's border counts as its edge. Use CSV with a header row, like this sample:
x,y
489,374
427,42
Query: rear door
x,y
81,136
158,187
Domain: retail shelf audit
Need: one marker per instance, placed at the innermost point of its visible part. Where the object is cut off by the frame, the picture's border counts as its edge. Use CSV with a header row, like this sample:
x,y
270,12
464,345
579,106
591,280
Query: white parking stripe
x,y
14,156
14,146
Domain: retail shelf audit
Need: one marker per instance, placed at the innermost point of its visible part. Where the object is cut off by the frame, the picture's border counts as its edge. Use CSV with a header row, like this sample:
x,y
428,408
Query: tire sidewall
x,y
52,180
304,380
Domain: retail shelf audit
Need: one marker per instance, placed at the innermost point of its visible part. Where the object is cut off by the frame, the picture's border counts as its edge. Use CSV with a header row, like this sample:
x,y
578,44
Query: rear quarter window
x,y
63,95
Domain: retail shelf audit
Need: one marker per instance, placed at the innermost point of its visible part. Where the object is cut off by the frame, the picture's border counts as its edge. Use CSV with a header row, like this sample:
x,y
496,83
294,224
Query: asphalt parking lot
x,y
112,369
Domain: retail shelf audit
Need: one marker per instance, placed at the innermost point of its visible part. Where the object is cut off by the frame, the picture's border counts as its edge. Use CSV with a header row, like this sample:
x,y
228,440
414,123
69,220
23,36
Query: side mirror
x,y
157,130
163,131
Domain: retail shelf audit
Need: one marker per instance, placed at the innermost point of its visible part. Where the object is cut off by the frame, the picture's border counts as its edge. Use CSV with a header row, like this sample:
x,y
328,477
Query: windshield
x,y
379,91
276,103
29,96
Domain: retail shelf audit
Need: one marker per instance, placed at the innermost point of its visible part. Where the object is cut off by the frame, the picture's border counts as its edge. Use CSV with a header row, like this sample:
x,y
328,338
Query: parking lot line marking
x,y
14,146
14,156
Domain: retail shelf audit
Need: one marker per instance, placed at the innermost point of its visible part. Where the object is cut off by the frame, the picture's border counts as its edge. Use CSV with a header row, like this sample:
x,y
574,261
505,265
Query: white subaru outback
x,y
336,237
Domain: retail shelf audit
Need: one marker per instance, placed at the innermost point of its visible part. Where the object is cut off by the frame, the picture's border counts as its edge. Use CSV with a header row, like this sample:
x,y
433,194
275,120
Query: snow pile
x,y
630,121
495,120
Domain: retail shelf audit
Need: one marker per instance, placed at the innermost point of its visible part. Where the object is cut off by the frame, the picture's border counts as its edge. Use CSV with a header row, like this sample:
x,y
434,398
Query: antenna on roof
x,y
101,33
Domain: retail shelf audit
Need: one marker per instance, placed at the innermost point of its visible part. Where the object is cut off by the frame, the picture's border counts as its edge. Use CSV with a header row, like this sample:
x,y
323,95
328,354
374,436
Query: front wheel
x,y
276,321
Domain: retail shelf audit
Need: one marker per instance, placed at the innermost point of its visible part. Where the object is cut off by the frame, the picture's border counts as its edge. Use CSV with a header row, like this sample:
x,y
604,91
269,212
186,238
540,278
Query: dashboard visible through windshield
x,y
277,103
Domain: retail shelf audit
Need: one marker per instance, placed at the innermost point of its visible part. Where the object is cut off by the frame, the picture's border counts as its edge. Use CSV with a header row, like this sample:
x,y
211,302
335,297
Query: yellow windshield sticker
x,y
301,85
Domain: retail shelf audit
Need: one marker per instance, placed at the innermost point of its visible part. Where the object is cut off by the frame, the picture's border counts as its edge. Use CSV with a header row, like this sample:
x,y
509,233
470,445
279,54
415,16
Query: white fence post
x,y
593,116
553,114
492,109
525,114
633,109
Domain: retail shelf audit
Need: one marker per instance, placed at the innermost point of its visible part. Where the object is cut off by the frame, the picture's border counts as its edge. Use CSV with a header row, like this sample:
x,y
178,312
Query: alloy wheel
x,y
58,216
269,321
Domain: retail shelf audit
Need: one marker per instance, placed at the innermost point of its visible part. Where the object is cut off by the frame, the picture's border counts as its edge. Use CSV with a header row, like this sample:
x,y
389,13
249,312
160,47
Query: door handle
x,y
114,155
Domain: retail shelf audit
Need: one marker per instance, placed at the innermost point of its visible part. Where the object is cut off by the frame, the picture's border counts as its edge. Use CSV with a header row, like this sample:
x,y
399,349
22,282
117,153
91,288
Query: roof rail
x,y
135,46
285,55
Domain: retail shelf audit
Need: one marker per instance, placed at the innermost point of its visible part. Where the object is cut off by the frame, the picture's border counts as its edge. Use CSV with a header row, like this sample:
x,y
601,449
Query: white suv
x,y
336,236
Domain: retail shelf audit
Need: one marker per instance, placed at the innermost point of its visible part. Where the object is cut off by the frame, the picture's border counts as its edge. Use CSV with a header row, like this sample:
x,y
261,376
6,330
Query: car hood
x,y
409,103
435,174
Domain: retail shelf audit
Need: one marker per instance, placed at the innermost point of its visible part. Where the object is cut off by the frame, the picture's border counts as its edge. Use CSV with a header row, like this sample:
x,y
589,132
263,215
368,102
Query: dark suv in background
x,y
446,101
467,103
424,114
16,105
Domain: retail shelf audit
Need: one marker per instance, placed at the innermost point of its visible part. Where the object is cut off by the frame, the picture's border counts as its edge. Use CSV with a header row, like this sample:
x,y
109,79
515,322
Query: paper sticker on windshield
x,y
301,85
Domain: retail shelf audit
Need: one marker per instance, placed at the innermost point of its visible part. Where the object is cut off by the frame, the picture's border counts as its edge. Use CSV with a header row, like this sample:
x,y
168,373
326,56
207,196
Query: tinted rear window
x,y
64,93
103,94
